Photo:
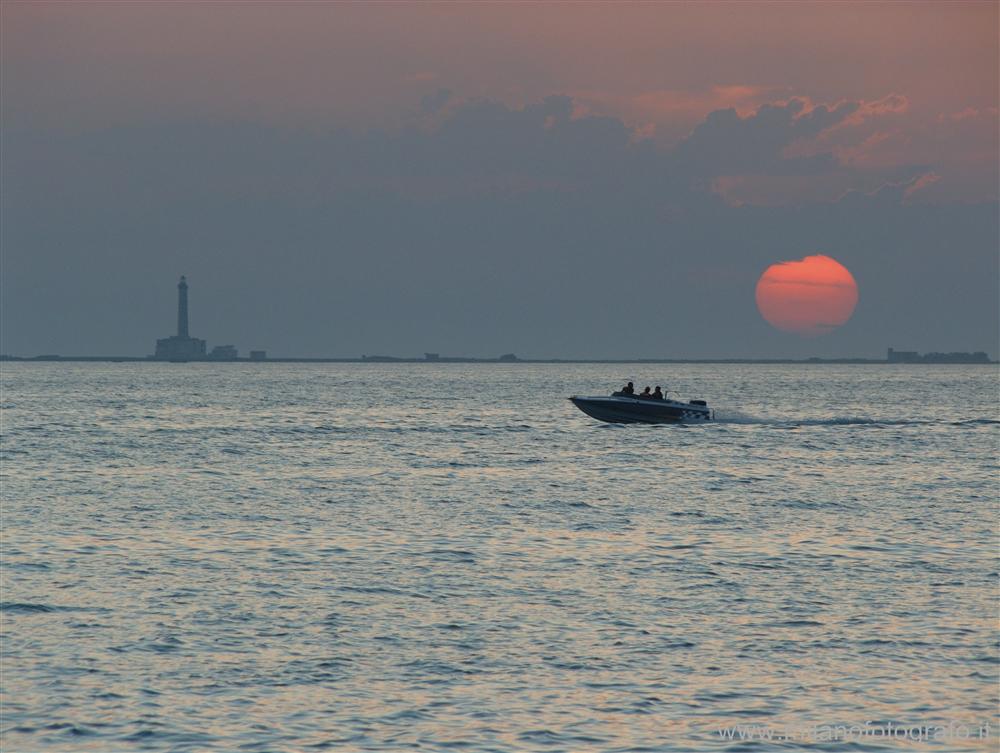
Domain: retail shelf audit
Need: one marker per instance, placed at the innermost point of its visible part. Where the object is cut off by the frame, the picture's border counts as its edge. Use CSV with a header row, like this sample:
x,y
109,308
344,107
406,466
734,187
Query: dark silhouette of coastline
x,y
911,356
182,348
932,359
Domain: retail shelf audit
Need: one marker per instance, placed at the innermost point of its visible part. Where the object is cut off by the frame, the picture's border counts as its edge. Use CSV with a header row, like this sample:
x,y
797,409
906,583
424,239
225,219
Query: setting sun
x,y
812,296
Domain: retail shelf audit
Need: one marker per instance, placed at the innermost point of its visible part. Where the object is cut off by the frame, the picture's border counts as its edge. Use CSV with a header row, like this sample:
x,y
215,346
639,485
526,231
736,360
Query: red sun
x,y
812,296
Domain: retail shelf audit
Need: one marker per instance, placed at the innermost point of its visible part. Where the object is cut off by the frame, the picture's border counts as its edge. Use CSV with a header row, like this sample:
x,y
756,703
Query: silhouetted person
x,y
645,394
657,393
628,389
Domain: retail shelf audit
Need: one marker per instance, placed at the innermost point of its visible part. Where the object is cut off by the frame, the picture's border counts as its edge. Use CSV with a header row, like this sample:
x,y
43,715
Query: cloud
x,y
891,192
866,153
890,104
925,180
483,145
727,144
669,115
852,138
433,102
968,113
420,77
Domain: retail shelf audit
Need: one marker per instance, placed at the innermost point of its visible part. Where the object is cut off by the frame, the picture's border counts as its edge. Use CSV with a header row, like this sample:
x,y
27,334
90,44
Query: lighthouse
x,y
180,347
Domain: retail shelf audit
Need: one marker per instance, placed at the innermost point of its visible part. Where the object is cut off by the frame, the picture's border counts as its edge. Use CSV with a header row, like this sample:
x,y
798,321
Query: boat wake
x,y
724,416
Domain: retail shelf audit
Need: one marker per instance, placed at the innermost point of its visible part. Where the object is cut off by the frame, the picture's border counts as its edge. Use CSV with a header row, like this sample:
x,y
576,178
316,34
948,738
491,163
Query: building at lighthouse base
x,y
177,348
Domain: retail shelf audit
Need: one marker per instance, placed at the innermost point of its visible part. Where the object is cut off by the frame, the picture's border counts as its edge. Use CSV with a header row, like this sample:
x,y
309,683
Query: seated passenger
x,y
645,394
658,393
628,389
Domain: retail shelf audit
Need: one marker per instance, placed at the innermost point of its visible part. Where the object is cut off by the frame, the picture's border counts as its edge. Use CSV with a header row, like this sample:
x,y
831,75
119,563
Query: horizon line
x,y
955,358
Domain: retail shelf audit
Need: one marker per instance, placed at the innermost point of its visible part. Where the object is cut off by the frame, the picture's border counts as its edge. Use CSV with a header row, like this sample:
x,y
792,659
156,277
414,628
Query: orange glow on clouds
x,y
812,296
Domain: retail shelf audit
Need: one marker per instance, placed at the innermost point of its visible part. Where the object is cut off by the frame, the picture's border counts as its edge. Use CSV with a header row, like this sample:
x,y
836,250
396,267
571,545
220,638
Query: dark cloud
x,y
431,103
501,229
726,144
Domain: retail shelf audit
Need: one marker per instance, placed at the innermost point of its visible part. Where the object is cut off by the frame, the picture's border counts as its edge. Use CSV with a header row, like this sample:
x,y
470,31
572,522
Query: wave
x,y
25,608
17,607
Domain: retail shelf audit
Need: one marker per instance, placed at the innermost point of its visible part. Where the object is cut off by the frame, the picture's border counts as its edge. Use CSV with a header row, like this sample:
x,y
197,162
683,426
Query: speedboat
x,y
621,408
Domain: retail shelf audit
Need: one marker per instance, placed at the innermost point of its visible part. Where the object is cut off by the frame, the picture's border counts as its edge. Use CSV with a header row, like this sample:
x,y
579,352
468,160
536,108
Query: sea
x,y
451,557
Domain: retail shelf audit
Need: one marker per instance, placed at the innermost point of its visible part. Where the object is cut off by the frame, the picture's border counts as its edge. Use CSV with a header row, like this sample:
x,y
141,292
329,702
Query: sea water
x,y
289,557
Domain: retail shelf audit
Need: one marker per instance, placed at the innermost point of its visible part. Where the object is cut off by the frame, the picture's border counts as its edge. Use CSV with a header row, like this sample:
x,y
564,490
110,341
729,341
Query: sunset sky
x,y
590,180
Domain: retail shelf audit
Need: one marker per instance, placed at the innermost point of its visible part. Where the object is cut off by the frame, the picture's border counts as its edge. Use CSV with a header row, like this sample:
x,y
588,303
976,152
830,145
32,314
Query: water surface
x,y
286,557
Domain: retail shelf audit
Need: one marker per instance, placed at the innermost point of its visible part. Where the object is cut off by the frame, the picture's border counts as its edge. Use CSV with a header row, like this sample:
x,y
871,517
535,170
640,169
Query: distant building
x,y
912,356
977,357
224,353
258,355
902,356
180,347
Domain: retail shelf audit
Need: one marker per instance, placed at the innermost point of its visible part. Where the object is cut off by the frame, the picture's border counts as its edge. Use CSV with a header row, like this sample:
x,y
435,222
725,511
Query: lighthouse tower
x,y
182,308
180,347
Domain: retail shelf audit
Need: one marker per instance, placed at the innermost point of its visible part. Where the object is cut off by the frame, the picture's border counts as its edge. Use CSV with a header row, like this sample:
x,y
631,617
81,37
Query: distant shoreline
x,y
462,360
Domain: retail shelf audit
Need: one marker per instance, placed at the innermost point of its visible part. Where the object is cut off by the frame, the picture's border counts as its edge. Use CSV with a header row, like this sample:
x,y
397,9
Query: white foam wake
x,y
727,416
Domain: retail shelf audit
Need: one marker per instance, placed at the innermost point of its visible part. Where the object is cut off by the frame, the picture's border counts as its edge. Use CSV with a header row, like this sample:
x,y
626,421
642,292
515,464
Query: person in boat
x,y
628,389
657,393
645,394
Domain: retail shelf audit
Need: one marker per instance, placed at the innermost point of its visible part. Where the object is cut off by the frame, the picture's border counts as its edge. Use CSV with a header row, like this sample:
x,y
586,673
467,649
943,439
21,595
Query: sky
x,y
593,180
